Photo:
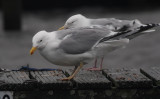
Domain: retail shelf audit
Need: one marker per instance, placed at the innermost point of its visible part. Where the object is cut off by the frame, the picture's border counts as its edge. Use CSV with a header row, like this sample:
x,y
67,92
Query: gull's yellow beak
x,y
61,28
32,50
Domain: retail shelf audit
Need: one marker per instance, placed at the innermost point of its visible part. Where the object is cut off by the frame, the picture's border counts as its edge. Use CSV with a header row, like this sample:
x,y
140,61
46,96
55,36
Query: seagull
x,y
78,46
79,20
116,25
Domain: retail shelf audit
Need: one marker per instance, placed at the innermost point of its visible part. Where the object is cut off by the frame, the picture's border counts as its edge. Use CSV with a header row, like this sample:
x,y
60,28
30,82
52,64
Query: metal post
x,y
12,14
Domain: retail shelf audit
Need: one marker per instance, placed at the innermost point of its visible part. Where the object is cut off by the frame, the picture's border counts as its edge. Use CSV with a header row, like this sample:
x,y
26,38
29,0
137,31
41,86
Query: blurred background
x,y
21,19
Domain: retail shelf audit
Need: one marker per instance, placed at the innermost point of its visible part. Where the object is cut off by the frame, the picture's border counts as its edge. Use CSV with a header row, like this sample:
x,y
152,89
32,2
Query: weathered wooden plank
x,y
90,79
49,76
39,76
46,76
2,77
43,77
20,76
9,78
48,80
45,80
58,75
17,77
152,73
35,76
23,75
51,79
16,80
8,82
127,78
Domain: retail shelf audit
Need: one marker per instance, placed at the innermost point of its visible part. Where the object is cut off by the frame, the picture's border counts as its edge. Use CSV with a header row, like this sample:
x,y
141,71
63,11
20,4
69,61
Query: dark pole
x,y
12,14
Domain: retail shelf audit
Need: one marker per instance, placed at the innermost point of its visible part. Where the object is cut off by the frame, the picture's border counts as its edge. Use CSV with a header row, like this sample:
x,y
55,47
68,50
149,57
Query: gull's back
x,y
116,24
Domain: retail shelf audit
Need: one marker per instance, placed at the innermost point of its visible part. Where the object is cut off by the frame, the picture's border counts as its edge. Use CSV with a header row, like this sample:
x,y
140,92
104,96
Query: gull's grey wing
x,y
106,21
117,25
81,40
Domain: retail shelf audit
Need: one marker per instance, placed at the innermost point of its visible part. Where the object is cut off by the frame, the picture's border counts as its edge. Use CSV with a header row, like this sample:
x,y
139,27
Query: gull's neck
x,y
53,41
52,35
87,22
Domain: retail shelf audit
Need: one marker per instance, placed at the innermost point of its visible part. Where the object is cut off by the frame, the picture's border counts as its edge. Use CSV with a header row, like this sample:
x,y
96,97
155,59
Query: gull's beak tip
x,y
31,53
32,50
61,28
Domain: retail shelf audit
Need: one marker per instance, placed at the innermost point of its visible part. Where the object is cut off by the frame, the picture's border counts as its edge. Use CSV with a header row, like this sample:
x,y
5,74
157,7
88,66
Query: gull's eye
x,y
40,41
73,22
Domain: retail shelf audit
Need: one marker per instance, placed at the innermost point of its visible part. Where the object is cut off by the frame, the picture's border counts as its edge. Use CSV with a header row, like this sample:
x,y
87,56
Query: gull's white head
x,y
39,41
76,21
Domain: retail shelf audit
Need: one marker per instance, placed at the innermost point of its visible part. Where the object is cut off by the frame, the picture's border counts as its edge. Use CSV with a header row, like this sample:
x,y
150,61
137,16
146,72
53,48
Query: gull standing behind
x,y
79,20
76,47
113,24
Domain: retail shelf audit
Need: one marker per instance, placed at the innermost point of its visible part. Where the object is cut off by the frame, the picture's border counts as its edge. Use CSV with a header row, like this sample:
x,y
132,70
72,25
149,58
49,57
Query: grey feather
x,y
119,25
82,40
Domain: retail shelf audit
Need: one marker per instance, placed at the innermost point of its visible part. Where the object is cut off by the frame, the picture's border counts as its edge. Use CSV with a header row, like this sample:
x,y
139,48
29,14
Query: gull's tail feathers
x,y
148,31
147,28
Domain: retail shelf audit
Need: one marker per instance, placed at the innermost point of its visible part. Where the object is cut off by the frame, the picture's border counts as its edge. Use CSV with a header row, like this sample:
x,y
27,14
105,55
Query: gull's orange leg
x,y
74,72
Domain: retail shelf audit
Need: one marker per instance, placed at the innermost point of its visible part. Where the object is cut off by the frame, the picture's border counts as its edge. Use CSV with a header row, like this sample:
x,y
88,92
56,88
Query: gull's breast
x,y
58,57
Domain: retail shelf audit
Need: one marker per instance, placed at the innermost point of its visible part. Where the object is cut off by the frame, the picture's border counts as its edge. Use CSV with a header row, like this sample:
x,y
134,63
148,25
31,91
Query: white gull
x,y
76,47
116,25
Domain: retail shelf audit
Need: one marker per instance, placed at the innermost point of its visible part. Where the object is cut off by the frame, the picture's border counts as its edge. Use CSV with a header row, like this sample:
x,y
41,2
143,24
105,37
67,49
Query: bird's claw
x,y
66,79
94,69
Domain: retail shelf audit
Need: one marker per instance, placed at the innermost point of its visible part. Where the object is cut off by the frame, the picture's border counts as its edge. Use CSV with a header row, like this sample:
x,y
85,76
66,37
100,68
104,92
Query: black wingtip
x,y
148,26
130,34
152,24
